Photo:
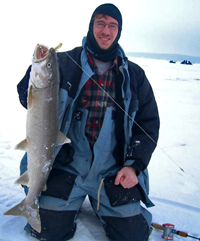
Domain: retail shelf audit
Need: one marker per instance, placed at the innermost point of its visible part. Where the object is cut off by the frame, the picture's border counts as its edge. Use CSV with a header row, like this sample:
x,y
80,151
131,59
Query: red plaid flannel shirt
x,y
95,100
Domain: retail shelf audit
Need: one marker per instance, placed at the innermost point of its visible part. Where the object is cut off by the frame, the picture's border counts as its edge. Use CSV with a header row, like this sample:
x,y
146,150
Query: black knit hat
x,y
110,10
92,45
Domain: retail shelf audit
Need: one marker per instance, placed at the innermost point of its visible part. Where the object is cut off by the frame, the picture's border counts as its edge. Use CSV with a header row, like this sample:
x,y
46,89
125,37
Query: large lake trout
x,y
42,132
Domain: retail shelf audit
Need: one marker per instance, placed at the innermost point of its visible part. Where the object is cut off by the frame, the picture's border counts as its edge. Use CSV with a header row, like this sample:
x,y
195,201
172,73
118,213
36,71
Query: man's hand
x,y
126,177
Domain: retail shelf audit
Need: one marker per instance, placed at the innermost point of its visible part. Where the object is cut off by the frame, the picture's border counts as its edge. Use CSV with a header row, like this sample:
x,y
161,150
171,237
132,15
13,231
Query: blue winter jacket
x,y
136,120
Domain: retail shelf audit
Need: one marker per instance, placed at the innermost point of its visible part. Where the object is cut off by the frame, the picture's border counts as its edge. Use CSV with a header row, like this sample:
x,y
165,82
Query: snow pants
x,y
92,173
122,216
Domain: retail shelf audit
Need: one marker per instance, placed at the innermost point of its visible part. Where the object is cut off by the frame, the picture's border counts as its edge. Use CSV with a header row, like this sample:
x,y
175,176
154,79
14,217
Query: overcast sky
x,y
154,26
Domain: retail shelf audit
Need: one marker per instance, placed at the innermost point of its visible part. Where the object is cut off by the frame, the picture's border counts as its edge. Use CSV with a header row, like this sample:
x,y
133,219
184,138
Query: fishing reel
x,y
168,231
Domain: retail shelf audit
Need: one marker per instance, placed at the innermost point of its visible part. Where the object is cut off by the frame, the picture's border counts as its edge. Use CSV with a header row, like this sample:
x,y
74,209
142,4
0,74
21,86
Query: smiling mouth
x,y
104,39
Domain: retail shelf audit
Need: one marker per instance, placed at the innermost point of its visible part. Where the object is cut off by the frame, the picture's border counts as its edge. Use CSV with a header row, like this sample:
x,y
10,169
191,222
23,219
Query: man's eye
x,y
113,26
100,24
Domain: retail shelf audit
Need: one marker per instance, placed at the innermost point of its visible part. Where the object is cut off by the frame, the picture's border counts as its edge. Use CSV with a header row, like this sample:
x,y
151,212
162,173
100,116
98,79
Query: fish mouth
x,y
41,52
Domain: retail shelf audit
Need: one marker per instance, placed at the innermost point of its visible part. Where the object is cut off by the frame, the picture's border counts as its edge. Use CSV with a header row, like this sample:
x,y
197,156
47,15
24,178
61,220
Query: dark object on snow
x,y
172,61
186,62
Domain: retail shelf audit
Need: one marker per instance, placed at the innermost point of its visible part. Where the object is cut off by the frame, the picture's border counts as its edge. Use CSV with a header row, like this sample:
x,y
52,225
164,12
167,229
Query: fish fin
x,y
30,97
22,145
23,179
30,212
45,188
62,139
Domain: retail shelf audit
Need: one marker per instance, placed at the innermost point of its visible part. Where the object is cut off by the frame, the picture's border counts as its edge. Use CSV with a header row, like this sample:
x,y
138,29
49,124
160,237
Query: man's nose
x,y
106,29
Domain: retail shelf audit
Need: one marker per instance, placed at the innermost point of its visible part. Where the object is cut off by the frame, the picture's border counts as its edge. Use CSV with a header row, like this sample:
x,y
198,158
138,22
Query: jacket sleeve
x,y
22,88
146,125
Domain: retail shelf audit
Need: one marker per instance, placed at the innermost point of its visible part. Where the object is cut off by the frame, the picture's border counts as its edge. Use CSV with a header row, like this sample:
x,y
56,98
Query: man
x,y
109,112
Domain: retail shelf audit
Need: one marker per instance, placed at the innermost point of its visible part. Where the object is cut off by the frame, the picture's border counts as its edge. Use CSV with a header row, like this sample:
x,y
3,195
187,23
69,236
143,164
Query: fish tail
x,y
30,212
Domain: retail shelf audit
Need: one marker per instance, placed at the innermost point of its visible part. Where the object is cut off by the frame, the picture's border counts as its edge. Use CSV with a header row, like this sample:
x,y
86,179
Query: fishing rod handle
x,y
181,233
157,226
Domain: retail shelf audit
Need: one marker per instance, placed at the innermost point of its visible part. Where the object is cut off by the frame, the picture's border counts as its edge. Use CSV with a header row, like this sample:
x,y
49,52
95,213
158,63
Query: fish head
x,y
44,72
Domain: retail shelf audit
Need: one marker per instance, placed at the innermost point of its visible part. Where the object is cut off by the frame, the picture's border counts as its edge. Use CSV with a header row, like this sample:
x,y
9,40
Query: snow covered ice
x,y
176,194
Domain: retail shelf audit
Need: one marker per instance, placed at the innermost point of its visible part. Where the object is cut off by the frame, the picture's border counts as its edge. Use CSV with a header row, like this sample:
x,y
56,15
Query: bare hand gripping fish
x,y
42,132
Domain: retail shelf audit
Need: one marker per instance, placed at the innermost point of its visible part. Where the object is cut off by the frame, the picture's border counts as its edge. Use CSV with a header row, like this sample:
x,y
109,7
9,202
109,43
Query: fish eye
x,y
49,65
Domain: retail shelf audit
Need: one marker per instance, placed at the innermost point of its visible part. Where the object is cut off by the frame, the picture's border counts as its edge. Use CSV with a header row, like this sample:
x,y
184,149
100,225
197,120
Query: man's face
x,y
105,30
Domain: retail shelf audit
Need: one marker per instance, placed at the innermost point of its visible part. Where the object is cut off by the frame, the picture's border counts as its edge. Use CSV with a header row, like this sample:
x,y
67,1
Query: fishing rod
x,y
168,231
125,112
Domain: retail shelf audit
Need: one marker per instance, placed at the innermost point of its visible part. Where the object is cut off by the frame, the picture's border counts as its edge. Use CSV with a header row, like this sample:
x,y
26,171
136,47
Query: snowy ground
x,y
176,194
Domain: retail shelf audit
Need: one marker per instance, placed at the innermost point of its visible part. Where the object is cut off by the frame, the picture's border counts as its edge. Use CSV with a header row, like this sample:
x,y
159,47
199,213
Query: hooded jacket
x,y
136,126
